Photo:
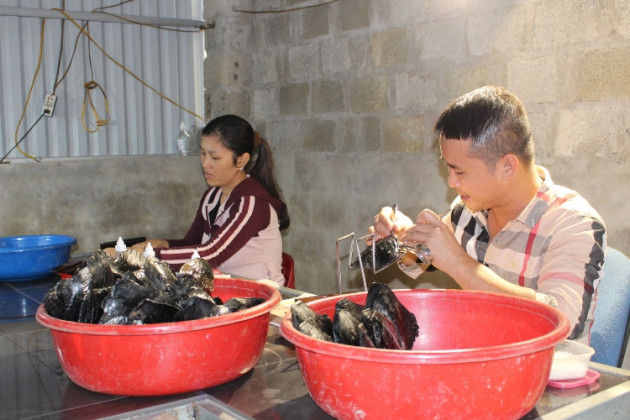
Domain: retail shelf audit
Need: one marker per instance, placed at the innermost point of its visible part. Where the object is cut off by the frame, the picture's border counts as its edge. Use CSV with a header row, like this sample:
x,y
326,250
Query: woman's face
x,y
218,165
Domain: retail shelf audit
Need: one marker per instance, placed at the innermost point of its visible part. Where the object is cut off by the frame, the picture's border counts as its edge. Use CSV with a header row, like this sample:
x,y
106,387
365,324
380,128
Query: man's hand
x,y
388,221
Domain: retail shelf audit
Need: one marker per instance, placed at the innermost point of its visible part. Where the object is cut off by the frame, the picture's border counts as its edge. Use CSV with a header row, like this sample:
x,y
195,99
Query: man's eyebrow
x,y
450,165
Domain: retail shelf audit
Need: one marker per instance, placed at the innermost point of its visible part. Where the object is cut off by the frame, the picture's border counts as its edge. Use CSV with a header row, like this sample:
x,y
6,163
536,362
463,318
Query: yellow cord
x,y
30,91
99,122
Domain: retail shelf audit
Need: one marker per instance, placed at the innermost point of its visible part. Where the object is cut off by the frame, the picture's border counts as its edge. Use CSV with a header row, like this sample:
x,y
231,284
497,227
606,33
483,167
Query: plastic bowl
x,y
167,358
31,257
478,355
570,360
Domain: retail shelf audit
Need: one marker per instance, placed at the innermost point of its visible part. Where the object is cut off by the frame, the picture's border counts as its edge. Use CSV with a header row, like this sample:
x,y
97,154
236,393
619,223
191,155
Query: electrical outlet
x,y
49,104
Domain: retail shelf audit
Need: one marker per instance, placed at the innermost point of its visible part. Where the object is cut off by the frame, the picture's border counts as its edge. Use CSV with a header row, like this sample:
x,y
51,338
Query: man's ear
x,y
508,165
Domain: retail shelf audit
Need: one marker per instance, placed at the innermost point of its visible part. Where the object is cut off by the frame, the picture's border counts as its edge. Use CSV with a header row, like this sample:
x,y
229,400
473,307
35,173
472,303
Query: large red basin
x,y
167,358
478,355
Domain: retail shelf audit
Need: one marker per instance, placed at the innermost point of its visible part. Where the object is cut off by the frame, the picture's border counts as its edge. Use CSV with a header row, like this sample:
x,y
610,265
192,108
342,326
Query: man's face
x,y
477,186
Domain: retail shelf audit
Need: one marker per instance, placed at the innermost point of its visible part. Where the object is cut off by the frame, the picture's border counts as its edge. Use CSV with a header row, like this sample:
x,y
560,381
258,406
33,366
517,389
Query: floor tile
x,y
19,300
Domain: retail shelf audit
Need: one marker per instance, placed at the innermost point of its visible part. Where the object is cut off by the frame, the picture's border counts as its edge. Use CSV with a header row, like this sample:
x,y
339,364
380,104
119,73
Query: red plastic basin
x,y
167,358
478,355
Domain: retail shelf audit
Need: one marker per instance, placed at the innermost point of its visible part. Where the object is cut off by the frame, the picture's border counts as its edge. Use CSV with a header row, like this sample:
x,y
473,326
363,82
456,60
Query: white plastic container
x,y
570,360
183,141
120,246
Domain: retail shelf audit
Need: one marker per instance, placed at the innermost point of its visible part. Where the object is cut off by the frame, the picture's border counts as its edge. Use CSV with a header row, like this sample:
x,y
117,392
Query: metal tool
x,y
383,253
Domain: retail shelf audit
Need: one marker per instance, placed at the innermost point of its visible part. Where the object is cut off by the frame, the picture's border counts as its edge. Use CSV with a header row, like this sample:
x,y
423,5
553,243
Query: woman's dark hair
x,y
238,135
495,122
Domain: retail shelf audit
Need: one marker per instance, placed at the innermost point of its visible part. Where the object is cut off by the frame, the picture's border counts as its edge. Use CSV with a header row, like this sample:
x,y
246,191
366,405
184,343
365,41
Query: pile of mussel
x,y
383,322
132,289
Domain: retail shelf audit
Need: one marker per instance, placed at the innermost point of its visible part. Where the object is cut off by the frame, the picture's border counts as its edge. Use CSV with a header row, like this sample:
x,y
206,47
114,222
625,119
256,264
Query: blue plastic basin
x,y
31,257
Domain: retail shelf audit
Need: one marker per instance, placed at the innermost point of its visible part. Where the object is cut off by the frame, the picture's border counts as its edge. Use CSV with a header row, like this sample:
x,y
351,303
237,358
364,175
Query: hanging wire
x,y
292,9
28,98
88,86
145,84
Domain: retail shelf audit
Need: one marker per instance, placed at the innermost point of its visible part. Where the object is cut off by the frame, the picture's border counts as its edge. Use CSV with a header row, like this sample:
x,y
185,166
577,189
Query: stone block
x,y
404,134
622,21
501,31
335,56
534,79
603,73
326,96
542,125
315,22
355,14
361,135
264,104
233,102
415,91
358,50
233,37
565,22
277,29
441,38
369,94
293,99
388,48
405,12
319,135
304,62
283,136
265,68
318,172
589,131
299,211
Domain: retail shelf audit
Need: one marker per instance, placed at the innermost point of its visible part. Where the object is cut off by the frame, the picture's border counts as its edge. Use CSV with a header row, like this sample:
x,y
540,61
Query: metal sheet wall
x,y
141,122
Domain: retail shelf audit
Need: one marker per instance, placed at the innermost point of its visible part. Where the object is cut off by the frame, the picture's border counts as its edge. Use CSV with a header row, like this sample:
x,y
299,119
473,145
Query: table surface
x,y
35,386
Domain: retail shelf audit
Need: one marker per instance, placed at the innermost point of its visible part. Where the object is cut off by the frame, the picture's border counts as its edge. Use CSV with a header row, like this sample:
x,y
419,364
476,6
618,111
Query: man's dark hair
x,y
494,120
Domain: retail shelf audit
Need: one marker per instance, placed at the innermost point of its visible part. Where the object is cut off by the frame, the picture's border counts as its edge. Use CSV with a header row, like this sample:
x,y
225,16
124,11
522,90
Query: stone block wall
x,y
98,199
347,94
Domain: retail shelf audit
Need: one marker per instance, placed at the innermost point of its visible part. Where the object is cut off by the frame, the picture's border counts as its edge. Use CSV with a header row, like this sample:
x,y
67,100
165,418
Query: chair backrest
x,y
288,270
609,335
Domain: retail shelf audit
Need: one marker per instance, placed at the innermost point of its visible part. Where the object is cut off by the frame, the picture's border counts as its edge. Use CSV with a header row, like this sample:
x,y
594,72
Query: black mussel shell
x,y
64,299
152,312
239,303
201,271
100,266
301,314
129,260
186,286
91,310
382,299
354,308
382,331
159,275
125,295
385,254
197,308
349,330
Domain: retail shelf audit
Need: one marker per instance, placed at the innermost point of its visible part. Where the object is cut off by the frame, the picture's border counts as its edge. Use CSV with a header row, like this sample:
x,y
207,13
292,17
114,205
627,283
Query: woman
x,y
239,219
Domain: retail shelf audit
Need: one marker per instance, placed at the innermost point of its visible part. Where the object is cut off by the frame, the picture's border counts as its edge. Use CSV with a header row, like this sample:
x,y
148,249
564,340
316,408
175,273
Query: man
x,y
511,229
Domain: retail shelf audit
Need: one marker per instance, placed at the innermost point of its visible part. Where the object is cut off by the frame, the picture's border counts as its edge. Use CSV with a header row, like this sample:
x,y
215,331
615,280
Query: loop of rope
x,y
87,97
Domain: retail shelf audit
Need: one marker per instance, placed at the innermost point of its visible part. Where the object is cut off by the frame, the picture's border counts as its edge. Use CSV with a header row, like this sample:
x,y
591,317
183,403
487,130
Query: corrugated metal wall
x,y
141,122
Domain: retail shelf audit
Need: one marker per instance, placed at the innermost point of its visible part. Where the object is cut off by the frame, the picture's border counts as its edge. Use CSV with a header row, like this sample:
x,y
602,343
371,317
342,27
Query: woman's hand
x,y
110,251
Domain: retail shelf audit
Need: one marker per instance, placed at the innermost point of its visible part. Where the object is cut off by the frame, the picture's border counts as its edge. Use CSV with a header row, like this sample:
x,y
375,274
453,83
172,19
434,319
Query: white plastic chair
x,y
609,335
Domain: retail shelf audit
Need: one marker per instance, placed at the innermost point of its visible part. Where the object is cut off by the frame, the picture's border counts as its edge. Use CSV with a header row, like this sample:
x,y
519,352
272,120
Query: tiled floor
x,y
19,300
